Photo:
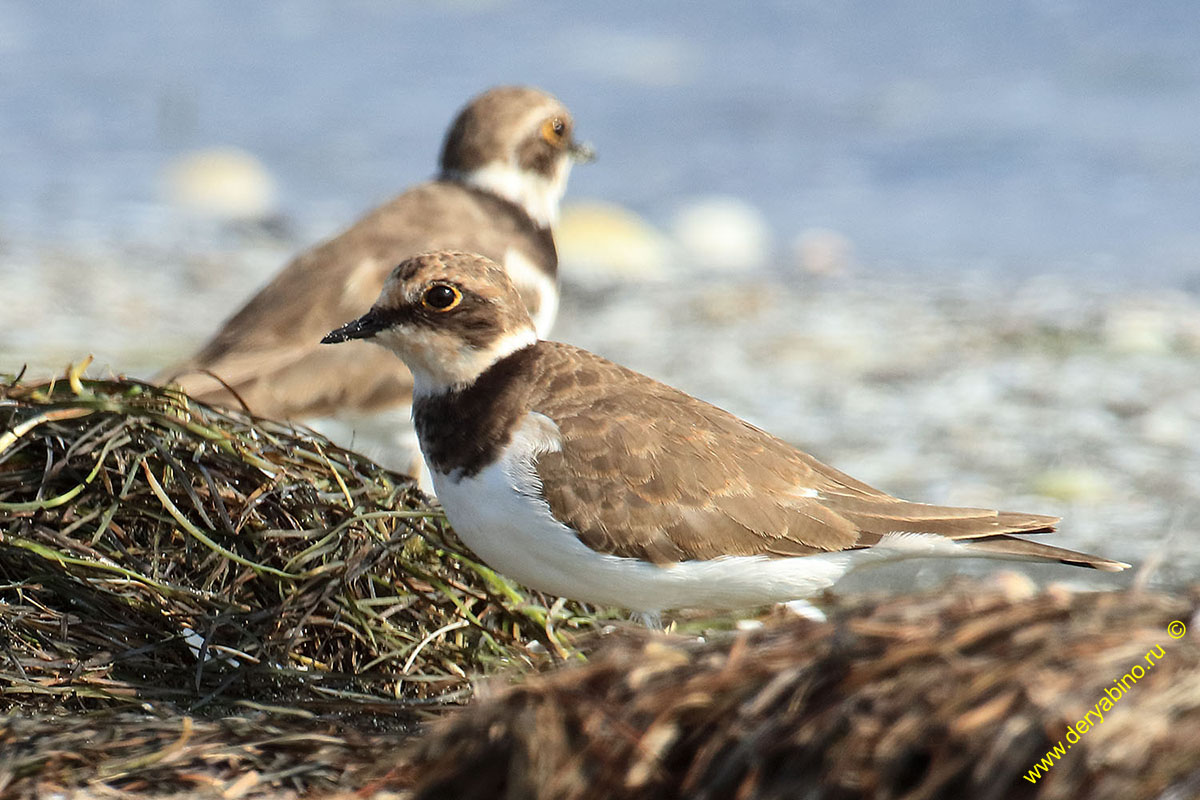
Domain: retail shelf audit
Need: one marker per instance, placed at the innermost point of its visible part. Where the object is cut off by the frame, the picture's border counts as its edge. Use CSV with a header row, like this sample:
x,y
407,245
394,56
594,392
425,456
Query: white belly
x,y
516,535
500,515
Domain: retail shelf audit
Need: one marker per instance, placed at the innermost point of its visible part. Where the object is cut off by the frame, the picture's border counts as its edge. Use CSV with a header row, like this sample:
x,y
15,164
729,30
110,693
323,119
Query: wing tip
x,y
1105,565
1005,546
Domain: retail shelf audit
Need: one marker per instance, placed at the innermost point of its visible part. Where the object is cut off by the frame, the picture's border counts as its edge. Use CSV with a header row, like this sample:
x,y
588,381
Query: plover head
x,y
449,315
518,143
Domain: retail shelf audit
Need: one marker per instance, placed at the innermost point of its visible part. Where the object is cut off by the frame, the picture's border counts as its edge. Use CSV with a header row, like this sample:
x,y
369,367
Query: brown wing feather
x,y
646,471
270,351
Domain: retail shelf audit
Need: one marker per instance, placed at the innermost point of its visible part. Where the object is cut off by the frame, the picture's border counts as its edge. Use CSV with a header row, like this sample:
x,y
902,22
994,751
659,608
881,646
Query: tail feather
x,y
976,532
954,523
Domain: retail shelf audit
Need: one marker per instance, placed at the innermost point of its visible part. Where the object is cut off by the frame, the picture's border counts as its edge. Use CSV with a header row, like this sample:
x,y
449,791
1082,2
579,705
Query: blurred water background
x,y
951,247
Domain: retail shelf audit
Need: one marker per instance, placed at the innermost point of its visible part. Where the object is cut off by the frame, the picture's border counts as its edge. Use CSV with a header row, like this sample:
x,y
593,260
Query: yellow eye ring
x,y
441,297
554,130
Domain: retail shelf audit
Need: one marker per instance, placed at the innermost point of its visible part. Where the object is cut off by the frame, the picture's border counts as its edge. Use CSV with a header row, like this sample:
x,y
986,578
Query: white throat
x,y
537,194
440,362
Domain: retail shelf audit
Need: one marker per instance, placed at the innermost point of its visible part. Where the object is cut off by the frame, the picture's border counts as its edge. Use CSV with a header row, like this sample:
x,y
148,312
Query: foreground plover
x,y
504,169
584,479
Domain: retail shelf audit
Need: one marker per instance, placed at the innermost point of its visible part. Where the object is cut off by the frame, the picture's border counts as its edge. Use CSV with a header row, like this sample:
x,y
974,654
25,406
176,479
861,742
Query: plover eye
x,y
554,130
441,297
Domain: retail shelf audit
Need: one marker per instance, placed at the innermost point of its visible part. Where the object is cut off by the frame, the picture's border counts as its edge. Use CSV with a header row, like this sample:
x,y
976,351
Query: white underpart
x,y
501,516
903,544
528,276
535,193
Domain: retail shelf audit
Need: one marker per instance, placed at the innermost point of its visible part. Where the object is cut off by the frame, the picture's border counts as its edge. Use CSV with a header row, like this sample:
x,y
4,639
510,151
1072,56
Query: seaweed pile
x,y
156,550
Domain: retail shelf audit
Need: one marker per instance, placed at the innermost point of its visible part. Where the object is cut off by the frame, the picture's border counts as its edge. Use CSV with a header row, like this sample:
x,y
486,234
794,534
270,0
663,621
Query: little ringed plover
x,y
584,479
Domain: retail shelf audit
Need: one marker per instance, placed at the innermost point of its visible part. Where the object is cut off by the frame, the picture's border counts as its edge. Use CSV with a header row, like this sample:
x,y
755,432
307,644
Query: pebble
x,y
722,233
1137,329
820,251
1169,427
1072,485
601,242
224,183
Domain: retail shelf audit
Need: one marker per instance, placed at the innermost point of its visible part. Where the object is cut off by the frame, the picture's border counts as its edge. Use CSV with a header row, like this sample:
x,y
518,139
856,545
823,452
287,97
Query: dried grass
x,y
156,550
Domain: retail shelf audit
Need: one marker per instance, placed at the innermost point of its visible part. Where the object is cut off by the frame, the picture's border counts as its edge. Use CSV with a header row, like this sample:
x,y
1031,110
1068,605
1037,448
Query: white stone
x,y
1073,485
602,242
226,183
1167,427
821,251
1138,330
722,233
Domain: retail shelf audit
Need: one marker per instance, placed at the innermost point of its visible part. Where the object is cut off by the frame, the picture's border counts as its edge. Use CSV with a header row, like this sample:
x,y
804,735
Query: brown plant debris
x,y
128,754
154,550
949,694
953,694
